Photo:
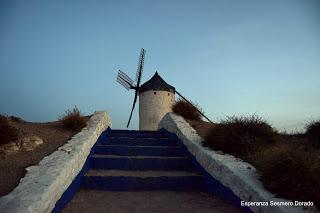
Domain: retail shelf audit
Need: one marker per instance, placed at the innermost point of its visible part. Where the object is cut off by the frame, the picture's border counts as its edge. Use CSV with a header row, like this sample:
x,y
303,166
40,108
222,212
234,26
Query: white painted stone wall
x,y
44,184
239,176
153,105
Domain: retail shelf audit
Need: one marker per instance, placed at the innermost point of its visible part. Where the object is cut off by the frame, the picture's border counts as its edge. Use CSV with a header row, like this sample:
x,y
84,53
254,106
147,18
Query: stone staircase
x,y
141,161
143,171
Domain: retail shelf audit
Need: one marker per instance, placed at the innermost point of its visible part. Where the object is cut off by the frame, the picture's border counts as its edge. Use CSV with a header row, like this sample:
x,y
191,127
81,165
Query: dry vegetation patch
x,y
240,135
289,165
73,119
313,133
289,170
187,110
8,133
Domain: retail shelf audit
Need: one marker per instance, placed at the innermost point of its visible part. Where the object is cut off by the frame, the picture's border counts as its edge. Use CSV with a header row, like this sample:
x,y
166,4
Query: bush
x,y
187,110
16,119
289,171
7,132
240,135
73,120
313,133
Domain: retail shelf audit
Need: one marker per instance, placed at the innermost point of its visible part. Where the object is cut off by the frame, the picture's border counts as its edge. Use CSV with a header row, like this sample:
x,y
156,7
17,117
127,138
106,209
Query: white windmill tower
x,y
156,97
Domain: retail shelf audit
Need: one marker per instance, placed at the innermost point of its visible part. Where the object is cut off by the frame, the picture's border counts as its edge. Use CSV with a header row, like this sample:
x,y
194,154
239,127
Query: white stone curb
x,y
233,173
44,184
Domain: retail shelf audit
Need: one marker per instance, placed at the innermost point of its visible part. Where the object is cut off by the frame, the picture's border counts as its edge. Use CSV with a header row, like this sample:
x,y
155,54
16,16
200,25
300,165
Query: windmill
x,y
156,97
128,83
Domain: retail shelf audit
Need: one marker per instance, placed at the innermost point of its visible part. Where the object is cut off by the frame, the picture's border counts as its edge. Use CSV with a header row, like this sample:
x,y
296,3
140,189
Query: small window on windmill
x,y
168,94
155,93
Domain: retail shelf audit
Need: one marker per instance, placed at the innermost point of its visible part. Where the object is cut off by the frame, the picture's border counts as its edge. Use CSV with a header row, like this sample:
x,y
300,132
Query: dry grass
x,y
288,165
7,132
187,110
289,170
16,119
240,135
313,133
203,127
73,120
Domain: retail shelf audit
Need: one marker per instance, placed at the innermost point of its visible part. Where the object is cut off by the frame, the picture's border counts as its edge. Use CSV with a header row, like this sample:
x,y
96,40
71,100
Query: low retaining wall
x,y
238,176
45,183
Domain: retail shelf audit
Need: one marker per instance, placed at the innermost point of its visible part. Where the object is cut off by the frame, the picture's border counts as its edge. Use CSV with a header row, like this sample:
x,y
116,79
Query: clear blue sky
x,y
231,57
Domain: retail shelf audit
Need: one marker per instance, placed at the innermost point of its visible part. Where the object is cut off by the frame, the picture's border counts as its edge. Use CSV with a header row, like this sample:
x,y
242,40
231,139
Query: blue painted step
x,y
140,150
156,135
115,180
120,131
139,141
140,162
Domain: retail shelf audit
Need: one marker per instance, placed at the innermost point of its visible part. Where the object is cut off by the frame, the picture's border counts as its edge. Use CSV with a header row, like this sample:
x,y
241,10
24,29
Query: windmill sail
x,y
140,66
133,105
128,83
125,81
124,76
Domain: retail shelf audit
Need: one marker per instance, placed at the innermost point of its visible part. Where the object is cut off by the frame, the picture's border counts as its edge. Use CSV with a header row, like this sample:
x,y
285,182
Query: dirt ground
x,y
12,167
147,201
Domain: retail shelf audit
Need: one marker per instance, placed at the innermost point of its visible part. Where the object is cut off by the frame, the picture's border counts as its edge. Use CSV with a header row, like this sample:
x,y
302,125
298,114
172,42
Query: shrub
x,y
16,119
313,133
7,132
289,171
187,110
240,135
73,120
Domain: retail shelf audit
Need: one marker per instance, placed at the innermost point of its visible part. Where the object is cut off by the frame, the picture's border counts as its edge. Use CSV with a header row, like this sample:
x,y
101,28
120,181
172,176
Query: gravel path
x,y
147,201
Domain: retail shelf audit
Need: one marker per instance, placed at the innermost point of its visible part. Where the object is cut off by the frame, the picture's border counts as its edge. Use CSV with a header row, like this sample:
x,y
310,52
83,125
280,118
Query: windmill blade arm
x,y
125,76
125,80
140,67
195,107
134,103
124,84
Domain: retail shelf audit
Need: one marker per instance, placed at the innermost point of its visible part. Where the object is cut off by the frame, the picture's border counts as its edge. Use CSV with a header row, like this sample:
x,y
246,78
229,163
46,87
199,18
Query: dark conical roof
x,y
156,83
